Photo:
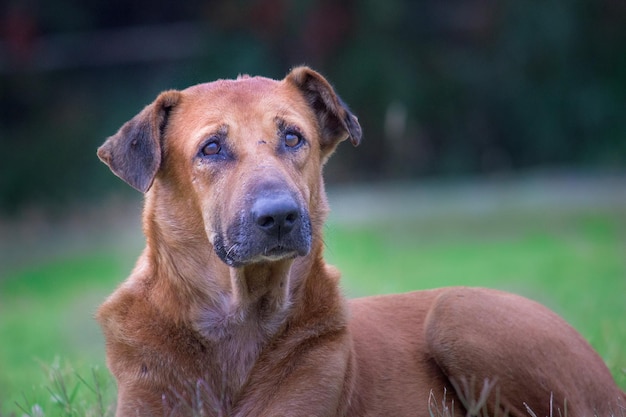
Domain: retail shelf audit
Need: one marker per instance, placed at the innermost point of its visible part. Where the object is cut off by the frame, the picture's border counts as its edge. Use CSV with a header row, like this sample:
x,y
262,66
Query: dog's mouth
x,y
239,254
245,245
278,252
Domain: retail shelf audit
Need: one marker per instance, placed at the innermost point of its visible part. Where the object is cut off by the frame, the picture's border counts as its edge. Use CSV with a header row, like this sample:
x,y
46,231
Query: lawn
x,y
572,260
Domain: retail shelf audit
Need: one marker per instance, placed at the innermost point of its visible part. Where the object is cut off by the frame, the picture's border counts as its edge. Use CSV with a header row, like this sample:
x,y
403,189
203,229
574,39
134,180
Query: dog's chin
x,y
270,257
236,256
275,255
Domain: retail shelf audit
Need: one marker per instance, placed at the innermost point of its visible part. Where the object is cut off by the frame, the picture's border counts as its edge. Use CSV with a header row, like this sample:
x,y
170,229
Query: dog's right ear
x,y
134,152
336,121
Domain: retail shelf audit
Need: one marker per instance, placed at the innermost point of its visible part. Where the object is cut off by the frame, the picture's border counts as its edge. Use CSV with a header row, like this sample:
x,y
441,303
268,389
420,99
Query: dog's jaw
x,y
232,255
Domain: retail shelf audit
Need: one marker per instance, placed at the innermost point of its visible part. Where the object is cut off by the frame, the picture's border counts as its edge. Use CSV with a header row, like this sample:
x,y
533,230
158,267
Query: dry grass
x,y
475,402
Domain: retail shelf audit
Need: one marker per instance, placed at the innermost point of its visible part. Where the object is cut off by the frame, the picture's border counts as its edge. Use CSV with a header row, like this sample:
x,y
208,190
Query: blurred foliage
x,y
441,88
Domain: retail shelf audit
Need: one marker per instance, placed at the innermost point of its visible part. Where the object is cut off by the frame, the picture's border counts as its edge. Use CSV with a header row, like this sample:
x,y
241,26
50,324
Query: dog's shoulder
x,y
123,310
129,307
137,331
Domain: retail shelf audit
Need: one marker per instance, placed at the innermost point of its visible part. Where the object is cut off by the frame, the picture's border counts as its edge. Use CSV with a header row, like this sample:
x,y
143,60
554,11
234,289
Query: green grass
x,y
574,262
47,325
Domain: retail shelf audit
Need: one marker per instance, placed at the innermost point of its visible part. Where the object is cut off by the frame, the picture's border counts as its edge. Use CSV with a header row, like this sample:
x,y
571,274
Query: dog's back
x,y
481,349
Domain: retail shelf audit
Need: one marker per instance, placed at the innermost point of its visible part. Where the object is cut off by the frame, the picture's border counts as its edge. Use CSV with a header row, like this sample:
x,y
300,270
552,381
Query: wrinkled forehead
x,y
243,101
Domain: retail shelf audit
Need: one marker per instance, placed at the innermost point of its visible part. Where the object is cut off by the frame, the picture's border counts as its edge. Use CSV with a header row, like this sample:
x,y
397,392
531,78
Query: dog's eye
x,y
292,139
211,148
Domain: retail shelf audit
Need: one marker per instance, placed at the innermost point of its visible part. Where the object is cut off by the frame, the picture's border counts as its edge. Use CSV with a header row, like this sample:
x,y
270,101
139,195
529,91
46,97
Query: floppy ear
x,y
134,152
336,121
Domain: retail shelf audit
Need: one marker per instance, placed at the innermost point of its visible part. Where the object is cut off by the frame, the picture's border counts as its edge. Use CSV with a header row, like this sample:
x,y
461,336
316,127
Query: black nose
x,y
276,215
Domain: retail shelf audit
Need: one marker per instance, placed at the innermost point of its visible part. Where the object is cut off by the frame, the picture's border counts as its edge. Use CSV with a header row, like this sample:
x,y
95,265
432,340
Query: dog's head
x,y
239,160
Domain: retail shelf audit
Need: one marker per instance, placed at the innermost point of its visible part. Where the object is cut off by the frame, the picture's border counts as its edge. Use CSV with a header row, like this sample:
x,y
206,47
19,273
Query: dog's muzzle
x,y
274,226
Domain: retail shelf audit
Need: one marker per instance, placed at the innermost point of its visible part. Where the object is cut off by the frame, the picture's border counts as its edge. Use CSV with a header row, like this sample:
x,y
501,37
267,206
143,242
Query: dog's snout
x,y
276,215
275,226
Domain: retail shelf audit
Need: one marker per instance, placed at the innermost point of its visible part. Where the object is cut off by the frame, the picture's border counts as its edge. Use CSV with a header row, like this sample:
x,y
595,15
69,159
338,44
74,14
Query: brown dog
x,y
231,310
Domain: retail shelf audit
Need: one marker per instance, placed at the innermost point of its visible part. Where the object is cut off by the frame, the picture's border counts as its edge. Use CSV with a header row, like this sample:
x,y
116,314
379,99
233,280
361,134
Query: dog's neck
x,y
194,279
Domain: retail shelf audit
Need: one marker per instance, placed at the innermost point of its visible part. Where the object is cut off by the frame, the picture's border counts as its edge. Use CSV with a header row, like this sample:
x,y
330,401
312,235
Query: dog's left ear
x,y
134,152
336,121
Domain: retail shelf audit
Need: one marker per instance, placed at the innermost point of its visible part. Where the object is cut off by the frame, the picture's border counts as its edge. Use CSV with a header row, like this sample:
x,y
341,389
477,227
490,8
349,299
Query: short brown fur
x,y
232,311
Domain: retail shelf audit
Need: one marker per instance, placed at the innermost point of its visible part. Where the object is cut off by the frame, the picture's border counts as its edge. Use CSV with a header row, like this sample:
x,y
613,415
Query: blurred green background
x,y
494,154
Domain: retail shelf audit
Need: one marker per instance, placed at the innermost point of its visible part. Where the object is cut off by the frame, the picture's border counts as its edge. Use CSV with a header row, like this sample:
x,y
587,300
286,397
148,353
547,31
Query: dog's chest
x,y
232,341
238,334
191,371
202,365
